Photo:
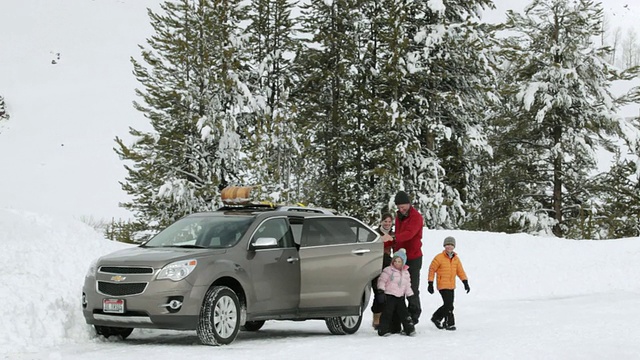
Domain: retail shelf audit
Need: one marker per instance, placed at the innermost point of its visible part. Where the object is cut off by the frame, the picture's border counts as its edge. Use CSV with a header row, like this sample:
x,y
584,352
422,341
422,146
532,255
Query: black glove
x,y
430,287
466,285
380,297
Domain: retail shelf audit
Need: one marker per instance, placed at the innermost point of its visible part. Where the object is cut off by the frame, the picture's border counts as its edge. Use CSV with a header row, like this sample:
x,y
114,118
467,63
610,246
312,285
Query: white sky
x,y
56,152
621,12
531,298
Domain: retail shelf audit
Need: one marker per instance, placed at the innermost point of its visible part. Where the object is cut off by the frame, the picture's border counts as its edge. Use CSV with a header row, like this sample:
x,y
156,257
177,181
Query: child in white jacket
x,y
394,284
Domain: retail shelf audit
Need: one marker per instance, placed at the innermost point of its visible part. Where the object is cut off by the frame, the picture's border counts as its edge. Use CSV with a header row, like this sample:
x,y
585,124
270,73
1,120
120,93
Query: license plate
x,y
113,306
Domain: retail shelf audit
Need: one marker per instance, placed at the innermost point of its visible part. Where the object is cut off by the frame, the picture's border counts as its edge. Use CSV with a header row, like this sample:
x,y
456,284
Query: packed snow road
x,y
582,327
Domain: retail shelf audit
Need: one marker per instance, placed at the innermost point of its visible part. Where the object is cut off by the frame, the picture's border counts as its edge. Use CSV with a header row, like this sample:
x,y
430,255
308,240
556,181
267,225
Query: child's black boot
x,y
450,322
437,322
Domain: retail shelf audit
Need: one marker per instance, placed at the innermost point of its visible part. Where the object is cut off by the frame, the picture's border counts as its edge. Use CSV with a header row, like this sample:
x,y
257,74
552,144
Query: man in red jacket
x,y
409,224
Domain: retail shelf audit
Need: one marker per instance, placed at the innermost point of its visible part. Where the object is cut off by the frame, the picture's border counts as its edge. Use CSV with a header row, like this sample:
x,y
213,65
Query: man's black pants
x,y
415,309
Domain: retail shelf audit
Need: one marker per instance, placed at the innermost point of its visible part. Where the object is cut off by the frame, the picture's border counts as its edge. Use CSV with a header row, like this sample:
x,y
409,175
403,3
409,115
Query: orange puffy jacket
x,y
447,269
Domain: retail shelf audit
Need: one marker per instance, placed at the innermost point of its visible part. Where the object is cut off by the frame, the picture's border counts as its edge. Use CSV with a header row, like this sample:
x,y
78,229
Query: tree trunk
x,y
557,183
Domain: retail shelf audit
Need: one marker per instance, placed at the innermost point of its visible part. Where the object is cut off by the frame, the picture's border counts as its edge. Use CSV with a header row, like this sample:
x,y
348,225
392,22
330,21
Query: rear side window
x,y
335,231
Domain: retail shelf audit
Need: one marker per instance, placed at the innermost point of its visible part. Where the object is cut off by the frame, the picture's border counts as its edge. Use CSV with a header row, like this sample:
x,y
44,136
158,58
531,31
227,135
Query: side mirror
x,y
265,243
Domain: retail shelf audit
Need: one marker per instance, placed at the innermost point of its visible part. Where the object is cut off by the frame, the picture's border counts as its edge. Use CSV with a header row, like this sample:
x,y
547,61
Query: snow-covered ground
x,y
531,298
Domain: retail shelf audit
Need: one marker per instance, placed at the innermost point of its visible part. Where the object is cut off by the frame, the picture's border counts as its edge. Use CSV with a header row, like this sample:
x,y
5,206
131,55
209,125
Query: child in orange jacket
x,y
447,266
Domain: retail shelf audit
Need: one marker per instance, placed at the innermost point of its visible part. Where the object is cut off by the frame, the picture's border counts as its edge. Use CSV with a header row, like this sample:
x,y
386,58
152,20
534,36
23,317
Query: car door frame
x,y
275,274
335,277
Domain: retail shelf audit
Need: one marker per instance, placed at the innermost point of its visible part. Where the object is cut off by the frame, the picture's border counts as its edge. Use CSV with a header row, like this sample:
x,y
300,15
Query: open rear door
x,y
339,256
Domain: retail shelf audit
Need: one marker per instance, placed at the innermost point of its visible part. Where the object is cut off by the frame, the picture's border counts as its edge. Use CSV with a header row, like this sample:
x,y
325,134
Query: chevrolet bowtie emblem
x,y
118,278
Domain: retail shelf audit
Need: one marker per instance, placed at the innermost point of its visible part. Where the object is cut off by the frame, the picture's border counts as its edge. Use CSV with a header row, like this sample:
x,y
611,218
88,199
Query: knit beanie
x,y
402,198
402,254
449,240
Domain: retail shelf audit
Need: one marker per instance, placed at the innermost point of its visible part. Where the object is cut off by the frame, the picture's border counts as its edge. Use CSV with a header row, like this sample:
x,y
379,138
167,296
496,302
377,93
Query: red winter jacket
x,y
409,233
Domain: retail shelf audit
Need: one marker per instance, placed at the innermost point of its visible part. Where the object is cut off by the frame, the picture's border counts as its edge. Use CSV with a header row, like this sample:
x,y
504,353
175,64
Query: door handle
x,y
292,259
360,251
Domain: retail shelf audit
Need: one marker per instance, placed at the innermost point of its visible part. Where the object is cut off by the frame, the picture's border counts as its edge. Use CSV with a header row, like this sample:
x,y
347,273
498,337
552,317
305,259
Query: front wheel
x,y
344,325
219,320
108,331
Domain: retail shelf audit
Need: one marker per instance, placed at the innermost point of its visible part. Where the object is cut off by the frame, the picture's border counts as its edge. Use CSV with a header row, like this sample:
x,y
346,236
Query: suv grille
x,y
125,270
114,289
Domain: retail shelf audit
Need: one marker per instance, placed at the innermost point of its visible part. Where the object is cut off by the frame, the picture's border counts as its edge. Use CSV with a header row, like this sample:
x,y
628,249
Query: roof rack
x,y
306,209
247,207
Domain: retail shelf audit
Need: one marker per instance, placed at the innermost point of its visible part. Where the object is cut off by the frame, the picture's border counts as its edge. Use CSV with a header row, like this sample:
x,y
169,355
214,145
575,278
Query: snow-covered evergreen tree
x,y
372,168
195,95
614,208
558,109
437,83
395,113
326,109
274,151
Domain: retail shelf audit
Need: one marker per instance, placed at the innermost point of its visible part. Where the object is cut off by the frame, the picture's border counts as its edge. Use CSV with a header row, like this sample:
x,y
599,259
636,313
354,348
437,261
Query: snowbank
x,y
525,267
45,260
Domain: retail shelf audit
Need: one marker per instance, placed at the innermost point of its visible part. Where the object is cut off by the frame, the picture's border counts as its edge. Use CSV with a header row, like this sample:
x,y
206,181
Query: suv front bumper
x,y
149,309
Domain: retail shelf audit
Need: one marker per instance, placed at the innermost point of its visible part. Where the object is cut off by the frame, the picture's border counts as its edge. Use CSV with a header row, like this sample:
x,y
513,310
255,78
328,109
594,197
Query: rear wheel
x,y
253,325
108,331
219,320
344,325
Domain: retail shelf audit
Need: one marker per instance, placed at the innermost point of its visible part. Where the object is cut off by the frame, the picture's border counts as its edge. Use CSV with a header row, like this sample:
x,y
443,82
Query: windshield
x,y
203,232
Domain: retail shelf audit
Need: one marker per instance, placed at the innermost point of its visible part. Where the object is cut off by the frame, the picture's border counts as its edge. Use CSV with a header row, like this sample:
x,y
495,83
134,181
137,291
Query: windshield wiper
x,y
188,246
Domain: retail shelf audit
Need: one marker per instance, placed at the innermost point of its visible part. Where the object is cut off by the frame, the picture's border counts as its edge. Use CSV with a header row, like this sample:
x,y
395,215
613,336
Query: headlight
x,y
92,268
178,270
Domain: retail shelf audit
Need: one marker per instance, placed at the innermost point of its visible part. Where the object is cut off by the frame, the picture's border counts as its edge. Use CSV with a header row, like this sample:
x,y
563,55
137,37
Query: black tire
x,y
219,320
253,325
344,325
108,331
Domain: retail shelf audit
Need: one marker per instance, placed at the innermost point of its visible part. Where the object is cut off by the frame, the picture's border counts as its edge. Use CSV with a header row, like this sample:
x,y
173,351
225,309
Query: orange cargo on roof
x,y
236,195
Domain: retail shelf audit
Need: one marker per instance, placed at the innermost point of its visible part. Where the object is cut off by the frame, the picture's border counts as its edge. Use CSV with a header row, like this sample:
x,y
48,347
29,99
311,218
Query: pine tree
x,y
195,96
273,152
326,113
373,165
437,84
557,110
619,191
382,119
613,208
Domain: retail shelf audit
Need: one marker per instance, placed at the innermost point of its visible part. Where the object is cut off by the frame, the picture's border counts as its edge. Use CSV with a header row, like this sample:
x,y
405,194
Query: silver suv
x,y
235,268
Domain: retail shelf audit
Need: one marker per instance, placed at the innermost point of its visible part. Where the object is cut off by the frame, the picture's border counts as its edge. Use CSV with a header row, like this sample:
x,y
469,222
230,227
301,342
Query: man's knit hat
x,y
449,240
402,198
402,254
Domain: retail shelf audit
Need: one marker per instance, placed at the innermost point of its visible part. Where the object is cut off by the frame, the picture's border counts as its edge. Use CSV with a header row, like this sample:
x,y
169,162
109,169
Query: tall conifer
x,y
559,110
274,149
194,94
